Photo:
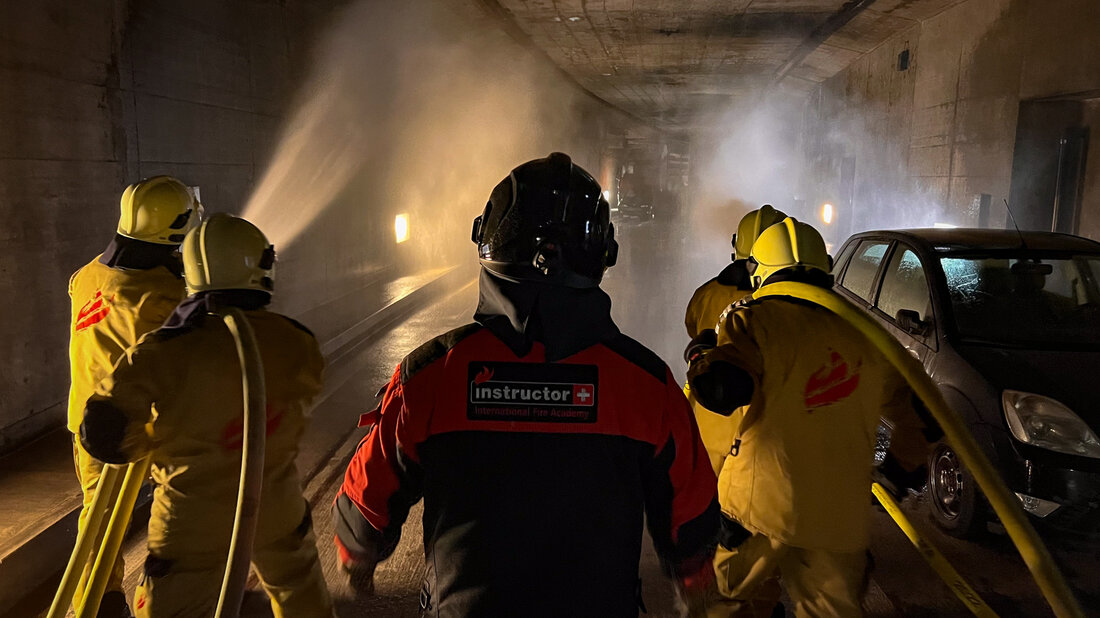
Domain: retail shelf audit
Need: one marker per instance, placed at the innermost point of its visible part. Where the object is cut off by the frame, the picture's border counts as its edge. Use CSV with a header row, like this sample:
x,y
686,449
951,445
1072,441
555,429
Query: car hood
x,y
1065,375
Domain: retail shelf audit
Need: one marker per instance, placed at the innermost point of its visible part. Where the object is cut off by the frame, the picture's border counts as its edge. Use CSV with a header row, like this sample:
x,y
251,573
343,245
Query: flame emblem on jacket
x,y
93,311
832,383
483,376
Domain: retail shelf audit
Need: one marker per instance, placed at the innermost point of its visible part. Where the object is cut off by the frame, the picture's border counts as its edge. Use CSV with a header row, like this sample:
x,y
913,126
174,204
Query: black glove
x,y
702,343
722,388
896,479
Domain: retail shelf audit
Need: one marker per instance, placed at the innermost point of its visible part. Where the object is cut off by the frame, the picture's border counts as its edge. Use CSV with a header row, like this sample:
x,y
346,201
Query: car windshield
x,y
1026,299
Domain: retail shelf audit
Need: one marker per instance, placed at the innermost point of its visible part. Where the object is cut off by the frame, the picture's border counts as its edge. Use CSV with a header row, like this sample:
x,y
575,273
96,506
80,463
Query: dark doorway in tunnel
x,y
1048,165
1069,186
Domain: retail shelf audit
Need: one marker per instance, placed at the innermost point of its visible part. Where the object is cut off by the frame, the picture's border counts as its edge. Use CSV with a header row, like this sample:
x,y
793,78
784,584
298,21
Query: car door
x,y
904,287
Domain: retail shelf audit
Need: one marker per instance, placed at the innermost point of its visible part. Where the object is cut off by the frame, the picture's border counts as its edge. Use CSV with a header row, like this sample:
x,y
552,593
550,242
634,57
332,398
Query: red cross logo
x,y
582,393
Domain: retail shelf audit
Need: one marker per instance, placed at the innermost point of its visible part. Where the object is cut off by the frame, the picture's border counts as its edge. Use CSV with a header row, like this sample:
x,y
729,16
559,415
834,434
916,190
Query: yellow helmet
x,y
159,210
228,253
750,228
788,244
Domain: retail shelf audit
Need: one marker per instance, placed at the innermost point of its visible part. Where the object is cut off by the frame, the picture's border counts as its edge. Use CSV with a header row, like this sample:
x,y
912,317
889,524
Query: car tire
x,y
954,500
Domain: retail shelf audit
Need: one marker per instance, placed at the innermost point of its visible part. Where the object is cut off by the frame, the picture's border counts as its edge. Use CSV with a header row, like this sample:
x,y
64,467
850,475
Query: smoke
x,y
749,160
786,152
415,108
746,158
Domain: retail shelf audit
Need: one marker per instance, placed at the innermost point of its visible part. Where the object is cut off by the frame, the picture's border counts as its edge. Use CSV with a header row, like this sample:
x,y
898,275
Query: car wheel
x,y
953,495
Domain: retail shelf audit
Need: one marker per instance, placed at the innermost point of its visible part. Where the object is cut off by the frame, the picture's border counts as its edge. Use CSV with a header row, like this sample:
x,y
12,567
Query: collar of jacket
x,y
194,309
565,320
131,254
736,275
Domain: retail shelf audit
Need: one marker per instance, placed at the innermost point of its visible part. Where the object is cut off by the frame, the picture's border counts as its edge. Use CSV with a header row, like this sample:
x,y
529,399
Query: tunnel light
x,y
944,226
607,195
827,213
401,227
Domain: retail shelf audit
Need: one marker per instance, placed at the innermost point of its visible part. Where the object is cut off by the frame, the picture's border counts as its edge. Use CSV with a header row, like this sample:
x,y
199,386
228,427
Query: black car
x,y
1007,324
634,199
632,211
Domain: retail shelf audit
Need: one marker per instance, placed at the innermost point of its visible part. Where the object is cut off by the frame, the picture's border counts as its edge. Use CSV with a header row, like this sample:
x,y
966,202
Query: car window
x,y
904,286
1025,298
838,264
860,276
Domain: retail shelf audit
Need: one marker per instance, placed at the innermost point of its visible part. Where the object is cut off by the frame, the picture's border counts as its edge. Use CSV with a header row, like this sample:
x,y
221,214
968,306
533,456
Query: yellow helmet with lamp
x,y
228,253
750,228
158,210
789,244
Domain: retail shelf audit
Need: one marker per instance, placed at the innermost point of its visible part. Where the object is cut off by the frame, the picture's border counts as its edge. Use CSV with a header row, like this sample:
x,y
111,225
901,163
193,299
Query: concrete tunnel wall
x,y
101,93
929,140
96,95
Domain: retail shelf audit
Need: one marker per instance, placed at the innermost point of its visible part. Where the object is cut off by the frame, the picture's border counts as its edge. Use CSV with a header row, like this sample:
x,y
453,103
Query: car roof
x,y
963,239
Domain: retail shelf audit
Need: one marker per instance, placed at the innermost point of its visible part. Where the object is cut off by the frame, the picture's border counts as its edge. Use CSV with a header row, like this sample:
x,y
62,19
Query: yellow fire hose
x,y
122,494
106,492
252,464
935,559
112,538
1027,542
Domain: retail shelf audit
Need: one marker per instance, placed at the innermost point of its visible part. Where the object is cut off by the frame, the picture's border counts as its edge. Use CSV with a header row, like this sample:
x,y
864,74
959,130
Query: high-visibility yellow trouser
x,y
88,470
289,571
819,583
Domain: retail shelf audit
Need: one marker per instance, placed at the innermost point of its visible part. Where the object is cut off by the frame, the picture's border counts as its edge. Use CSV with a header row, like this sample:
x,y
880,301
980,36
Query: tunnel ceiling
x,y
666,61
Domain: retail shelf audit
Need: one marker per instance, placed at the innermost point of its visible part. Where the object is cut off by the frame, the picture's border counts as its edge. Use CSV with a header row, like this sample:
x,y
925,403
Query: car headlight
x,y
1046,423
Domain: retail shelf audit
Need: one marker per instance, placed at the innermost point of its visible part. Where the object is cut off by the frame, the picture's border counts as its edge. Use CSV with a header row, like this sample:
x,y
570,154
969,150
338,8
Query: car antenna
x,y
1023,245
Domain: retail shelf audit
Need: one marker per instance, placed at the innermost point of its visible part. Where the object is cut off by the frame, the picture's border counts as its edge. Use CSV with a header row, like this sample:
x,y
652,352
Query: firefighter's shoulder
x,y
747,304
639,355
297,325
434,349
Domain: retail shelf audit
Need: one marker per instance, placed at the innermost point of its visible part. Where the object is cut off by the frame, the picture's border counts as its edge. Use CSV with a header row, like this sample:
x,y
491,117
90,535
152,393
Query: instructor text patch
x,y
534,392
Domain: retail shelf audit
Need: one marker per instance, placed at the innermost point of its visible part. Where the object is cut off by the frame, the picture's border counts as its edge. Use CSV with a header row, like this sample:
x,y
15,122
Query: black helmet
x,y
547,221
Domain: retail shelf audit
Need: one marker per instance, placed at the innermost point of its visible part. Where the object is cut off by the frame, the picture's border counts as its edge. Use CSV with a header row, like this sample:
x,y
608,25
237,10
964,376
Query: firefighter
x,y
177,396
708,302
732,284
128,290
794,484
539,436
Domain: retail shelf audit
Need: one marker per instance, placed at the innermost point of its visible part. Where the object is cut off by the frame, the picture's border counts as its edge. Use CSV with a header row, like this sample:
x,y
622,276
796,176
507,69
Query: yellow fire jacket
x,y
798,468
179,391
711,299
703,310
111,309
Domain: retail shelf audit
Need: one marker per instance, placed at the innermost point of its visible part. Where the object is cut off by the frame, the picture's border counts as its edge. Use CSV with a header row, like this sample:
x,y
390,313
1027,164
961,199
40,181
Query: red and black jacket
x,y
535,476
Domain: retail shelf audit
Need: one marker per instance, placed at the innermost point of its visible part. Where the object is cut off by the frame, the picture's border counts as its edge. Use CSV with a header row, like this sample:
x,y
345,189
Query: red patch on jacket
x,y
93,311
233,434
830,384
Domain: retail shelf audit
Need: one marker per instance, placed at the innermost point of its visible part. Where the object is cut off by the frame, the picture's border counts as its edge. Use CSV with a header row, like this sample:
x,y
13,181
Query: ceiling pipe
x,y
835,22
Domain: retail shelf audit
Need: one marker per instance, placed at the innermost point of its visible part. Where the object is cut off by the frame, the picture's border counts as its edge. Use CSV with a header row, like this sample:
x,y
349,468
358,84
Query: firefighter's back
x,y
199,432
528,465
807,439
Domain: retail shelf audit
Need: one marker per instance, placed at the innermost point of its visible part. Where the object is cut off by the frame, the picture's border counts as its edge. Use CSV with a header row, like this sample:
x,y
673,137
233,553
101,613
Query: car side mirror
x,y
910,322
